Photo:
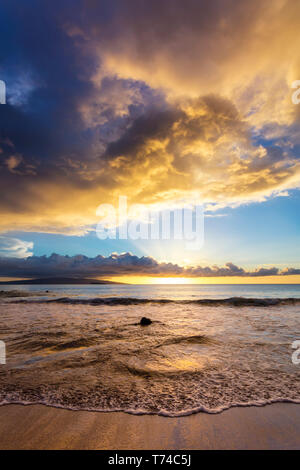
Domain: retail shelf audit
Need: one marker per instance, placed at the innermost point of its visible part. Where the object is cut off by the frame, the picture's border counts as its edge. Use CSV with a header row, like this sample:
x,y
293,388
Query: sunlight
x,y
204,280
171,280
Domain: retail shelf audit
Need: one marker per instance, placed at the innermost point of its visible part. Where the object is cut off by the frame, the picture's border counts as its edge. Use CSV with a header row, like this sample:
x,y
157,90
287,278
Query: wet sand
x,y
274,426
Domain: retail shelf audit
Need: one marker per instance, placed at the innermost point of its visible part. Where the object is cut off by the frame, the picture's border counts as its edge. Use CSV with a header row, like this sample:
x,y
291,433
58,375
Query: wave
x,y
141,411
232,301
74,344
18,293
195,339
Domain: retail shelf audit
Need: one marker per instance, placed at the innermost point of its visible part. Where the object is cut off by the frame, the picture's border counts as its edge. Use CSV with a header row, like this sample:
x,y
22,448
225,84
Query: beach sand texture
x,y
274,426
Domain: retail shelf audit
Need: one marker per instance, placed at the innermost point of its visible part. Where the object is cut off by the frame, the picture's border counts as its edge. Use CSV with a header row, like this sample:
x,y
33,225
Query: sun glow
x,y
171,280
153,280
205,280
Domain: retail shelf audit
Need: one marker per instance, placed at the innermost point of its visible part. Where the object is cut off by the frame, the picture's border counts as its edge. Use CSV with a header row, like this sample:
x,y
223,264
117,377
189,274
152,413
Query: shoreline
x,y
164,414
274,426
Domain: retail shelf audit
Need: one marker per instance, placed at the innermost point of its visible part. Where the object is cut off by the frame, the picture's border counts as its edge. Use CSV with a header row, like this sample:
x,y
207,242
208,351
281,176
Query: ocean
x,y
209,347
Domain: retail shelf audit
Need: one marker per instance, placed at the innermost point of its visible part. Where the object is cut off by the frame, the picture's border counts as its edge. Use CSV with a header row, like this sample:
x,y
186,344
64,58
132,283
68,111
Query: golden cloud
x,y
189,101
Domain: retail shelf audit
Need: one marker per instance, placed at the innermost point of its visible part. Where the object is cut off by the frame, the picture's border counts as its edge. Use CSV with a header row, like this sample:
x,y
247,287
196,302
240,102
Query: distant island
x,y
59,280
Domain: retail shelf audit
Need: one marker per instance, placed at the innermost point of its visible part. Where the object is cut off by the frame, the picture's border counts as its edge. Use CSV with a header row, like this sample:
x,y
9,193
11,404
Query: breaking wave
x,y
232,301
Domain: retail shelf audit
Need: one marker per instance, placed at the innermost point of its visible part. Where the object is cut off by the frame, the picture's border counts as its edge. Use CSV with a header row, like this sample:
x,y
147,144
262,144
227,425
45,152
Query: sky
x,y
166,103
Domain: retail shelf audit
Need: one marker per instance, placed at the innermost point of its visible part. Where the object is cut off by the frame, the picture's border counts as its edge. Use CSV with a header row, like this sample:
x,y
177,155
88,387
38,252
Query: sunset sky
x,y
165,102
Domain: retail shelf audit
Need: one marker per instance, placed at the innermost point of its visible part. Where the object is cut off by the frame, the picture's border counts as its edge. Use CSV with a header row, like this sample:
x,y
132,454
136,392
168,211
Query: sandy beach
x,y
274,426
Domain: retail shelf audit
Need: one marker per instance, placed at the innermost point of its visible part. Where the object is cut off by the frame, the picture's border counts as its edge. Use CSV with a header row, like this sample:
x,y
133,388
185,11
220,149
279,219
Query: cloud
x,y
290,271
15,248
124,264
202,147
154,101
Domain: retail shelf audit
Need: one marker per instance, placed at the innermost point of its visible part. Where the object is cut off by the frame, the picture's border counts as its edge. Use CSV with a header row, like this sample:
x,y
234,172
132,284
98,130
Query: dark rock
x,y
145,321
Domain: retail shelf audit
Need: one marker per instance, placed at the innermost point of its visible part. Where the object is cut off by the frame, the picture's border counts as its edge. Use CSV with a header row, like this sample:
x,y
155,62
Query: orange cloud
x,y
182,102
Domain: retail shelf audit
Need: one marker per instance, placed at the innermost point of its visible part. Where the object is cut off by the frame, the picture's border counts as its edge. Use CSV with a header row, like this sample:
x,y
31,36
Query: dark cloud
x,y
155,125
127,97
118,265
290,271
